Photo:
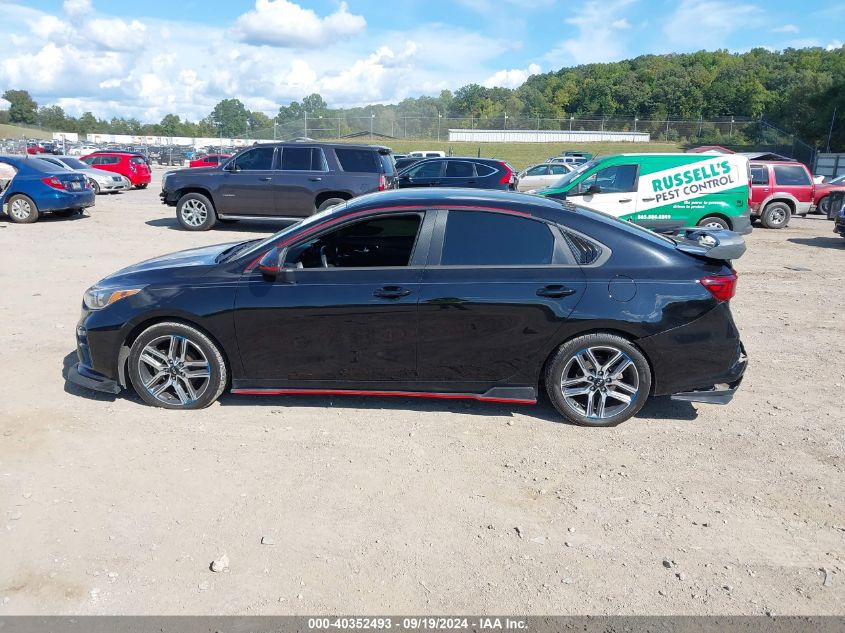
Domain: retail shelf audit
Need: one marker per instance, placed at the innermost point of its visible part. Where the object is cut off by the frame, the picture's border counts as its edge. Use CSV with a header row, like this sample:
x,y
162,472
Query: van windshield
x,y
576,173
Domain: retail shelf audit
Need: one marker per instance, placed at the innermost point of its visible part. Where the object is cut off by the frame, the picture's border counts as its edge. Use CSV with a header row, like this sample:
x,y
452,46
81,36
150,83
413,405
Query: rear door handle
x,y
391,292
555,291
315,178
266,178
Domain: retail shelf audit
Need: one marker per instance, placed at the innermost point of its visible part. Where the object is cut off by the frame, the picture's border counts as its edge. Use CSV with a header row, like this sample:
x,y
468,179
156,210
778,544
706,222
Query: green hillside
x,y
16,132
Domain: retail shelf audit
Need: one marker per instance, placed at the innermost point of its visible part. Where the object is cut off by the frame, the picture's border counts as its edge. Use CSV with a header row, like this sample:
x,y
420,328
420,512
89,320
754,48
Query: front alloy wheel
x,y
195,212
175,366
598,380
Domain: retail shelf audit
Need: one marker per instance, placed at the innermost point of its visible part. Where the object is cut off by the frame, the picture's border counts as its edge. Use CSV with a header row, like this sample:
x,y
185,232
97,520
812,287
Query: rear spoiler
x,y
710,243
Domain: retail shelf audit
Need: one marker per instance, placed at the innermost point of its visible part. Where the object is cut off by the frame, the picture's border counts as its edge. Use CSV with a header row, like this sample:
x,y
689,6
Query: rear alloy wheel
x,y
714,222
22,209
776,215
598,380
195,212
175,366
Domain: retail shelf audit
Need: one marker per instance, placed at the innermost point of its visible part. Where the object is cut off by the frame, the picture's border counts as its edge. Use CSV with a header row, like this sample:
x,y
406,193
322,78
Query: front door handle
x,y
315,178
555,291
391,292
649,199
266,178
625,200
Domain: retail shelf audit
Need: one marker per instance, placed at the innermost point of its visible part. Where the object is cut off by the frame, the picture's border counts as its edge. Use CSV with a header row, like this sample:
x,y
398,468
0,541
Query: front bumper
x,y
81,375
839,224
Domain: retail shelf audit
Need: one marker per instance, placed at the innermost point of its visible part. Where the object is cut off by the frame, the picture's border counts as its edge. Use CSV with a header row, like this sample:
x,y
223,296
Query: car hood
x,y
193,262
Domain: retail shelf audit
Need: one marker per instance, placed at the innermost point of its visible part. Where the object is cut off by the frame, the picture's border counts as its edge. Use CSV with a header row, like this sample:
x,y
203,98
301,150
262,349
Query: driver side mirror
x,y
594,188
272,265
231,167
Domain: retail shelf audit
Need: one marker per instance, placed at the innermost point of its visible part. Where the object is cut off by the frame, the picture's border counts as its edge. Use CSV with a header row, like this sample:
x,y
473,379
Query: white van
x,y
428,153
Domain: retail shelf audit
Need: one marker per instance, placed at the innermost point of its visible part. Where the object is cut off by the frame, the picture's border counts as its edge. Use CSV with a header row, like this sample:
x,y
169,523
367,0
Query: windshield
x,y
73,163
309,221
568,178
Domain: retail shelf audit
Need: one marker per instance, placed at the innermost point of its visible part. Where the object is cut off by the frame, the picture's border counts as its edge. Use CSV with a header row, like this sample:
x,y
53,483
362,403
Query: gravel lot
x,y
416,506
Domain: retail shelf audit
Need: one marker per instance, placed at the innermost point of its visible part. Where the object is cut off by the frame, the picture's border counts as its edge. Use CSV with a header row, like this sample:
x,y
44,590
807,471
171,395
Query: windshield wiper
x,y
230,252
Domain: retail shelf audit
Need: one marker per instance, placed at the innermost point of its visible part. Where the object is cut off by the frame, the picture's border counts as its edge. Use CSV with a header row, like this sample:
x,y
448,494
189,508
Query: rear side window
x,y
476,238
137,160
791,175
459,169
759,175
303,159
108,160
357,159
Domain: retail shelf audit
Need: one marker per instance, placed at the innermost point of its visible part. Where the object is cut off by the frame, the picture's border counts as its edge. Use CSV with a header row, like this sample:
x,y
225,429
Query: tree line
x,y
795,89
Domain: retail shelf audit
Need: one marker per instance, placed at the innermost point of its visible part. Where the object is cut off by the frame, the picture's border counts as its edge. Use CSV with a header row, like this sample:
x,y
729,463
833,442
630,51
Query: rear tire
x,y
331,202
822,206
598,380
22,209
714,222
175,366
195,212
776,215
95,187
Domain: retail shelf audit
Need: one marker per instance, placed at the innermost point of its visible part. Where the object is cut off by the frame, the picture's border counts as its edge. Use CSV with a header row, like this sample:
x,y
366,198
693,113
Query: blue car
x,y
31,186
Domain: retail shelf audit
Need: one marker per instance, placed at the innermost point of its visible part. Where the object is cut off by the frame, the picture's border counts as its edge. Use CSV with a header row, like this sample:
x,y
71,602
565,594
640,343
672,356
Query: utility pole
x,y
305,113
830,131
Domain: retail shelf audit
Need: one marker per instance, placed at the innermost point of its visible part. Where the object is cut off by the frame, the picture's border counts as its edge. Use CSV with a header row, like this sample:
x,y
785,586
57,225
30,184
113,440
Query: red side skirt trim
x,y
355,392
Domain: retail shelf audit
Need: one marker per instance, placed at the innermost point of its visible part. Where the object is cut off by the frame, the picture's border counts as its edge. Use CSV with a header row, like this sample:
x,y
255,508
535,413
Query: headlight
x,y
97,298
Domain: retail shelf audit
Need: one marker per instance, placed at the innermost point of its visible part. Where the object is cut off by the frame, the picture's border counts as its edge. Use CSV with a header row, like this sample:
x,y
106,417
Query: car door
x,y
459,173
492,298
245,187
302,170
760,187
426,173
343,311
555,174
617,188
534,178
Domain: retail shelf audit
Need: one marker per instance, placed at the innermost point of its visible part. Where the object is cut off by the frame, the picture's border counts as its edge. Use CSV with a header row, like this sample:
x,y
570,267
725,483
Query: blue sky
x,y
146,59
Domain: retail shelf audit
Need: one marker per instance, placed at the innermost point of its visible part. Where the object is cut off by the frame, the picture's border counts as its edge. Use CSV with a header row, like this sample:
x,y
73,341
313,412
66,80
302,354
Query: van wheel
x,y
22,209
776,215
714,222
195,212
598,380
822,206
331,202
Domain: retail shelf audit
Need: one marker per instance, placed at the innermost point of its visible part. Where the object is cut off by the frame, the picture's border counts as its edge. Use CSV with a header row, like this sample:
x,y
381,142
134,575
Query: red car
x,y
209,160
779,190
820,199
133,166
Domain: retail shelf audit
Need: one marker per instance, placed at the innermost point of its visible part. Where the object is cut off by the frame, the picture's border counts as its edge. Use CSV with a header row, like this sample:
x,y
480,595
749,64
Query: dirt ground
x,y
416,506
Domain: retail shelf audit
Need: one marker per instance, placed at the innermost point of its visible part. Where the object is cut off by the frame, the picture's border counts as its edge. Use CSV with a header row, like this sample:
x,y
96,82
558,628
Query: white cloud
x,y
286,24
114,34
835,44
76,8
598,40
511,78
786,28
706,24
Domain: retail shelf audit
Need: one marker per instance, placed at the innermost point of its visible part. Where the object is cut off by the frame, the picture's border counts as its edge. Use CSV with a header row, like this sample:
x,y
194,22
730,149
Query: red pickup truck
x,y
779,190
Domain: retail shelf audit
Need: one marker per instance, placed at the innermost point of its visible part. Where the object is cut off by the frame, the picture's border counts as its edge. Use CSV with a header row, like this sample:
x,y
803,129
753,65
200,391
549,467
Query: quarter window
x,y
791,175
259,158
377,242
759,175
477,238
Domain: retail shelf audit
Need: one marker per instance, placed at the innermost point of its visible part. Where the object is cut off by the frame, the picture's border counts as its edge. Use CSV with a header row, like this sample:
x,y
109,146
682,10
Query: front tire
x,y
95,187
823,206
22,209
714,222
175,366
195,212
776,215
598,380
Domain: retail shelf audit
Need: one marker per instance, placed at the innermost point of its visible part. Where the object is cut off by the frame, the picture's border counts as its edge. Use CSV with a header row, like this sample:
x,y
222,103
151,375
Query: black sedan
x,y
436,293
473,173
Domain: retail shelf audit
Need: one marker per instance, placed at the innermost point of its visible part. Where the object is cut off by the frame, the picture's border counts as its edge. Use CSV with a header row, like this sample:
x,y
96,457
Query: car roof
x,y
320,143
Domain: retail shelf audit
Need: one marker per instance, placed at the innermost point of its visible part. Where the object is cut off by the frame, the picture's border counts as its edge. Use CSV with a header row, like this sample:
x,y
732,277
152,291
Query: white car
x,y
543,175
82,150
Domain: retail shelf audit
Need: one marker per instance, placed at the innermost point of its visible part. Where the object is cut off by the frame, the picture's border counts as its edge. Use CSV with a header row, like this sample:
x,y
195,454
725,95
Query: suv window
x,y
791,175
759,175
387,164
358,159
614,179
459,169
475,238
259,158
377,242
303,159
429,169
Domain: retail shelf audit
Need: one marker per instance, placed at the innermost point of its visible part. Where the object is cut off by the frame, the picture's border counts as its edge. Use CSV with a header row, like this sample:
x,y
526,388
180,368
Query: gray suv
x,y
276,180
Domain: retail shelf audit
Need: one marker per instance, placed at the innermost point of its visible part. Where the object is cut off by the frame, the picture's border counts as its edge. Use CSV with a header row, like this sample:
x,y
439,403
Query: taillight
x,y
506,178
382,182
722,287
54,182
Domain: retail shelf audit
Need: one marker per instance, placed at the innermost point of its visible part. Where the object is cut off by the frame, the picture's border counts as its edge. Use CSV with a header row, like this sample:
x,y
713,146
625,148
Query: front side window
x,y
615,179
759,175
358,160
459,169
376,242
429,169
539,170
791,175
476,238
259,158
303,159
